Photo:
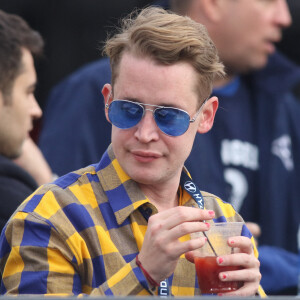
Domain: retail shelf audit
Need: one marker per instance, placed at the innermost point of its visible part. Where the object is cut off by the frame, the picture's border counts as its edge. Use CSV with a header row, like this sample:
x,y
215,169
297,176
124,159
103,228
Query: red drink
x,y
208,276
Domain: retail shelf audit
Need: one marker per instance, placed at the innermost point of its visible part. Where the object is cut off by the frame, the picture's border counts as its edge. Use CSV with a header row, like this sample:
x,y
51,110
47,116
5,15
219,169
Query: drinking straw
x,y
211,246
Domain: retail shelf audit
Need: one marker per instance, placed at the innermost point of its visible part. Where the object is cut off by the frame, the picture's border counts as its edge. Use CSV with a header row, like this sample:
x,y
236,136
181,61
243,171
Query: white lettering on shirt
x,y
239,153
282,148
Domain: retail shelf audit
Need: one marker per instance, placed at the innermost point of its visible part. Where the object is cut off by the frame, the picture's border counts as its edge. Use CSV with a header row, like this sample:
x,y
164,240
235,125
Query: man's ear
x,y
107,95
211,10
207,115
1,100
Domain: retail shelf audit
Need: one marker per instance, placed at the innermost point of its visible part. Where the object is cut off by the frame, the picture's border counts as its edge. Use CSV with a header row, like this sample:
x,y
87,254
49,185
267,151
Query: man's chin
x,y
16,153
260,62
11,152
256,63
143,178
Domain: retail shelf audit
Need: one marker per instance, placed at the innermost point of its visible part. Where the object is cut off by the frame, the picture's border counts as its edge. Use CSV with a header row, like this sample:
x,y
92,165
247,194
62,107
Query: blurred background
x,y
73,31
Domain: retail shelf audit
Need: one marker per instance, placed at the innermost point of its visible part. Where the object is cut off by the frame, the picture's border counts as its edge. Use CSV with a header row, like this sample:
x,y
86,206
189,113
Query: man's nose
x,y
282,15
147,129
35,110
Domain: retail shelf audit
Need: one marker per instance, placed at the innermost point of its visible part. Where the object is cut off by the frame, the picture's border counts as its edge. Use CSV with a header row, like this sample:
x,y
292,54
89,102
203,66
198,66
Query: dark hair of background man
x,y
72,30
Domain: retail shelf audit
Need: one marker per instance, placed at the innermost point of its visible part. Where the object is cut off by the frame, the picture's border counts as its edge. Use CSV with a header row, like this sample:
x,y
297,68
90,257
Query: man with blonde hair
x,y
253,149
121,227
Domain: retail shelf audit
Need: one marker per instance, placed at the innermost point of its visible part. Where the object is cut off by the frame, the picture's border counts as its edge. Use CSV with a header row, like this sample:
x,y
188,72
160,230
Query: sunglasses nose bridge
x,y
149,109
152,110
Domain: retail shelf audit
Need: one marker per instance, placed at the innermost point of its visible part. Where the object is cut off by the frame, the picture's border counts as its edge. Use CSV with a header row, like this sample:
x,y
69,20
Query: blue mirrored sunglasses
x,y
125,114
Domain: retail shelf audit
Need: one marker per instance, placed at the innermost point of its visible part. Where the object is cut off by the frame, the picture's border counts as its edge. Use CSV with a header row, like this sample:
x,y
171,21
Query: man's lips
x,y
269,44
270,47
145,156
30,126
272,40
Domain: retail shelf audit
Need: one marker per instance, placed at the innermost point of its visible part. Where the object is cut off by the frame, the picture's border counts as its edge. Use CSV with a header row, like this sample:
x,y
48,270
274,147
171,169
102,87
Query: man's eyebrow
x,y
130,99
138,101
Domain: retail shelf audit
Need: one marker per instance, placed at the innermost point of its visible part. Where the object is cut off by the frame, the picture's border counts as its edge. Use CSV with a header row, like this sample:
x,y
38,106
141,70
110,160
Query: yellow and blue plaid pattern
x,y
80,235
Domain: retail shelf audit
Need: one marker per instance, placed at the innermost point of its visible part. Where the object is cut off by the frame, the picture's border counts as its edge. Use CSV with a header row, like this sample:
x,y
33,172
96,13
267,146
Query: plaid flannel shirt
x,y
81,234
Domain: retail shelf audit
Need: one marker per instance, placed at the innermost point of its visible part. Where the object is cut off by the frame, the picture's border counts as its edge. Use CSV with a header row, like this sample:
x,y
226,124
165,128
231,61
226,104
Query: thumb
x,y
190,256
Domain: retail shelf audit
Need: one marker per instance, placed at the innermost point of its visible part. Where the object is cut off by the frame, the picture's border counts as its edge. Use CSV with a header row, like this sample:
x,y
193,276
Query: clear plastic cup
x,y
206,258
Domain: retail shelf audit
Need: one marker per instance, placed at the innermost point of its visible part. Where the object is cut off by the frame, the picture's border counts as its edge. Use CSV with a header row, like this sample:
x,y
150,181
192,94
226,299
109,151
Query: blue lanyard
x,y
163,289
187,183
193,190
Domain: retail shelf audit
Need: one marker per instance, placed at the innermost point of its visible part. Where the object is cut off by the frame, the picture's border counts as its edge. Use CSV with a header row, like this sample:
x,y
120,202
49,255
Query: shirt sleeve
x,y
36,260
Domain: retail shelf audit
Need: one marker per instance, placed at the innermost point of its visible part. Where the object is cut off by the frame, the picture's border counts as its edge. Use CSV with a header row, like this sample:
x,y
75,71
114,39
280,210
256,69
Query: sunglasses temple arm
x,y
199,110
109,96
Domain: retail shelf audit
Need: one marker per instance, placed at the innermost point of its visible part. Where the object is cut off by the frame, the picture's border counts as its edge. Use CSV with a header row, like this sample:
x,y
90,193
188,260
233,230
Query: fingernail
x,y
207,225
231,242
224,276
211,212
220,260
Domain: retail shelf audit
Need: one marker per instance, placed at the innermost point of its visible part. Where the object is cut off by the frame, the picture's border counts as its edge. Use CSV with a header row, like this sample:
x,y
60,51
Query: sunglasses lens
x,y
172,121
124,114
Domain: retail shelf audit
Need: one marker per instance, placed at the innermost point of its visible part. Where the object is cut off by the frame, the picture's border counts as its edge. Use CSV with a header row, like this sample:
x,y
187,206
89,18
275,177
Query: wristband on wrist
x,y
147,275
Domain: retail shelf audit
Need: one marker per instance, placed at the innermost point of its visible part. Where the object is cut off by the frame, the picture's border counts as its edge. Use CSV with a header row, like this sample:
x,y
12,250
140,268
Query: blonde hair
x,y
167,38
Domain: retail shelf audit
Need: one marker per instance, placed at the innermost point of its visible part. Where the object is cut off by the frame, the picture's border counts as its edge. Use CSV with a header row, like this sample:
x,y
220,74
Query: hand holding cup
x,y
205,258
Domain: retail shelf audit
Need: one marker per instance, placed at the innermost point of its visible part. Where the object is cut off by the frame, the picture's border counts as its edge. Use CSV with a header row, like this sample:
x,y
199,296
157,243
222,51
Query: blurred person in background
x,y
255,139
22,165
256,136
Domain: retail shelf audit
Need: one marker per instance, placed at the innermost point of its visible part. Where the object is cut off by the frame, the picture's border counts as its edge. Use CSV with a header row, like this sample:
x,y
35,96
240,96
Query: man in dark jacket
x,y
18,107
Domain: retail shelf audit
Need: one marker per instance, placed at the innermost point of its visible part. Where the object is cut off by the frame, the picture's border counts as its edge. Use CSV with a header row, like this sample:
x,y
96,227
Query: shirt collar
x,y
229,89
123,194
